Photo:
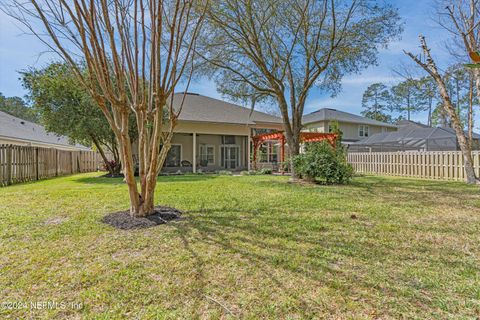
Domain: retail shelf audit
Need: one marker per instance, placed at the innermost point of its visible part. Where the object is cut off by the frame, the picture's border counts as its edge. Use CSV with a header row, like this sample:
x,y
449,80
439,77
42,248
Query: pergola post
x,y
282,154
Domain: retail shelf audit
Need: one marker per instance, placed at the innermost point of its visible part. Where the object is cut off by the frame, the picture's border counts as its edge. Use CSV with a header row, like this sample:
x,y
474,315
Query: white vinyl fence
x,y
443,165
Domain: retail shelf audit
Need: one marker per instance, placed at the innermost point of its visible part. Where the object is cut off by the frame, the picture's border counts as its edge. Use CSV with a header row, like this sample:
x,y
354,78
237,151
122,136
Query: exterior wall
x,y
350,130
186,142
19,142
212,128
211,134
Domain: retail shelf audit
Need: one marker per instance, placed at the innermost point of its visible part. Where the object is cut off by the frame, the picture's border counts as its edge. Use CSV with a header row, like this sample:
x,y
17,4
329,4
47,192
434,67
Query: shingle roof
x,y
205,109
16,128
327,114
410,134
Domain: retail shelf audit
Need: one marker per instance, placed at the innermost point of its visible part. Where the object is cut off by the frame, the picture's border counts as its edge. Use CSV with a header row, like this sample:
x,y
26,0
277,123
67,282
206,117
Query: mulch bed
x,y
123,220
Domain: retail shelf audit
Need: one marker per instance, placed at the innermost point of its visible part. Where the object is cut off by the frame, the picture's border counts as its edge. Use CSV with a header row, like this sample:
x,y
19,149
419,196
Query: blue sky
x,y
19,51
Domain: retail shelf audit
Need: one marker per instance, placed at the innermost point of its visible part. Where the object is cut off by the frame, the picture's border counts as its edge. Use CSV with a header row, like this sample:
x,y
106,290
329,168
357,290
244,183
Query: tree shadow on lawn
x,y
272,246
161,179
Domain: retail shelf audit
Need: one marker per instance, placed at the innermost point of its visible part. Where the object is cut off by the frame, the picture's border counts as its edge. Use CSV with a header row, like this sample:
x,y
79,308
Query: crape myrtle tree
x,y
279,50
375,102
66,108
136,52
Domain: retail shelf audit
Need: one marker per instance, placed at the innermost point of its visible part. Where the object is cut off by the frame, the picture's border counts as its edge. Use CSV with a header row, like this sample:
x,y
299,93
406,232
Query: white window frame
x,y
206,146
362,129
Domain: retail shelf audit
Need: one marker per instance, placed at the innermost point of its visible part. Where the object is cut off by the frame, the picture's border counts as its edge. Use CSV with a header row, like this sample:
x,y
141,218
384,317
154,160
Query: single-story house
x,y
354,127
412,136
17,131
213,135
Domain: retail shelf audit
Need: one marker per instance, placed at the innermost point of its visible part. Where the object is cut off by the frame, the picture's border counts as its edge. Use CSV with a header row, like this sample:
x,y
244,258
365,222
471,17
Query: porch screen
x,y
174,156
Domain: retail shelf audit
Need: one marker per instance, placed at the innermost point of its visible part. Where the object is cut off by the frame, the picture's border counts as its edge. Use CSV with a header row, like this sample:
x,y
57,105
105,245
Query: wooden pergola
x,y
331,138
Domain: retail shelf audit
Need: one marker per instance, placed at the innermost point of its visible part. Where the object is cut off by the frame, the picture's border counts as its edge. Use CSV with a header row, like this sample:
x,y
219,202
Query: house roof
x,y
205,109
410,132
18,129
327,114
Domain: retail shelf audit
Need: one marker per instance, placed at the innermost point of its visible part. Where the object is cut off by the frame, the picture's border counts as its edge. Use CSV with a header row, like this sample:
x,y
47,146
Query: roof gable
x,y
327,114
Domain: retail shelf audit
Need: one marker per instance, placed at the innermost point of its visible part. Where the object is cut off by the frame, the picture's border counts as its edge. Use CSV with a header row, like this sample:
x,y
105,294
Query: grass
x,y
250,247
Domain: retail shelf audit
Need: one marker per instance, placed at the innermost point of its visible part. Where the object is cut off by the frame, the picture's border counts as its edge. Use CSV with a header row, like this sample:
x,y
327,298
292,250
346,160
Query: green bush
x,y
266,171
321,161
225,173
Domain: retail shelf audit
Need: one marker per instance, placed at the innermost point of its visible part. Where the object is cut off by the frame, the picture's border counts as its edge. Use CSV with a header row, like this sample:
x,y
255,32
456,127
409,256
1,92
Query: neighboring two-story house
x,y
354,127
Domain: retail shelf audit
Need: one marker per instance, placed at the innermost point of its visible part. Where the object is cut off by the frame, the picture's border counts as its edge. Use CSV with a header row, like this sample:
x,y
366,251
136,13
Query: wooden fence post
x,y
36,164
9,164
56,163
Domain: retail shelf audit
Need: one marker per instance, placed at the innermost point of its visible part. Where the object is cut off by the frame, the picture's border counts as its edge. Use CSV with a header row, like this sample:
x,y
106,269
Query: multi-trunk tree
x,y
135,52
276,51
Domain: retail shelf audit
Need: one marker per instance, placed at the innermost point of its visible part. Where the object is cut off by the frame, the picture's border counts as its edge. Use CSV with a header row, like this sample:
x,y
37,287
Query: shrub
x,y
321,161
266,171
225,173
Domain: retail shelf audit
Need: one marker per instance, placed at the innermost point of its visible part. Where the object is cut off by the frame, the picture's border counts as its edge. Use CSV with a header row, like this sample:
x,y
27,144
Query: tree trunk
x,y
470,112
457,126
109,167
449,108
430,111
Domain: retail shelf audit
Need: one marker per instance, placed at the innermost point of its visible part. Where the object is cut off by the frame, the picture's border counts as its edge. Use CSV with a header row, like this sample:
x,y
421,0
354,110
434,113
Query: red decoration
x,y
279,136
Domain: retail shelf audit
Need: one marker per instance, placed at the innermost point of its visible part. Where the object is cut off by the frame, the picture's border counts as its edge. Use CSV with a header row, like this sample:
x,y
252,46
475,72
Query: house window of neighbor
x,y
174,156
363,131
207,155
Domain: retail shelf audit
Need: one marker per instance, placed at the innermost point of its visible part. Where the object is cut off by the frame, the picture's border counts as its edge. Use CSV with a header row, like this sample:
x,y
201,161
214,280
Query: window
x,y
228,139
174,156
268,153
207,155
363,131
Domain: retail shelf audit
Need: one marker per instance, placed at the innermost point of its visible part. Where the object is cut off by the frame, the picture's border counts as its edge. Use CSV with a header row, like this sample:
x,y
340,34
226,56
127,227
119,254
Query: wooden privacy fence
x,y
24,163
444,165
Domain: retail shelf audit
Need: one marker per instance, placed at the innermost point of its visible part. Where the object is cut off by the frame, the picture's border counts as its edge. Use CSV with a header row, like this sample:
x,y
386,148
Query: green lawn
x,y
250,247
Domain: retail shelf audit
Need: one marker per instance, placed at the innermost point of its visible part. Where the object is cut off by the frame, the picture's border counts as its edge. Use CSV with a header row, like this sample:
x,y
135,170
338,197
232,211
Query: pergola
x,y
279,136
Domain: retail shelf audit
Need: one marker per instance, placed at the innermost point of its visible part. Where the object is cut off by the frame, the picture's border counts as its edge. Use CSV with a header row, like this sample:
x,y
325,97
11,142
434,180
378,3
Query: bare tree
x,y
136,52
429,65
278,50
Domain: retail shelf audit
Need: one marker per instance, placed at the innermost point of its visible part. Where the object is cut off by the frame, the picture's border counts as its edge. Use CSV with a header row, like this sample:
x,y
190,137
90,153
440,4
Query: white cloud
x,y
360,80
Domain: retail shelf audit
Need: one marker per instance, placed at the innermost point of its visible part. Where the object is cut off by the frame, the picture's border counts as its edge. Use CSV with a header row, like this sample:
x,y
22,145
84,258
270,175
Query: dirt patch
x,y
55,220
123,220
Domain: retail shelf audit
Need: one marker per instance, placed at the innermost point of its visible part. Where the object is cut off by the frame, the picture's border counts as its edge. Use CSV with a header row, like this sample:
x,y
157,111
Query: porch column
x,y
248,148
194,153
